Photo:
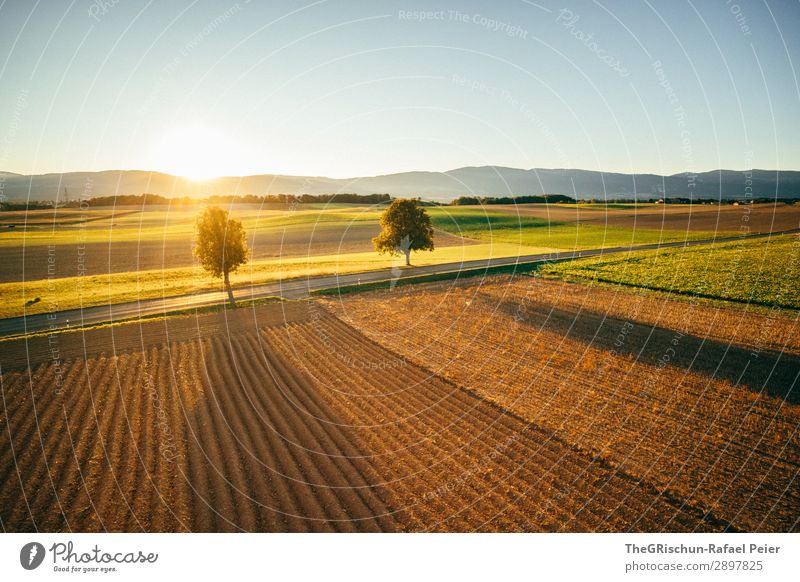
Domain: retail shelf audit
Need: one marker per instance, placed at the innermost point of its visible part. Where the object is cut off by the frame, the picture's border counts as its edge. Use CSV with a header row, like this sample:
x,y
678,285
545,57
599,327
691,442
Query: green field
x,y
762,271
506,227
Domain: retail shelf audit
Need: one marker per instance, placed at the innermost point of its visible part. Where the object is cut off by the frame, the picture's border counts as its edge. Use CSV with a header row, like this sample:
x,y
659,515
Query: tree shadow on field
x,y
770,372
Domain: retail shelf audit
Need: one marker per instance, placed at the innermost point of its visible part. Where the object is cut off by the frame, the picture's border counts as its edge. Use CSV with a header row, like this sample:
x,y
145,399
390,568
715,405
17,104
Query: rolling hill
x,y
467,181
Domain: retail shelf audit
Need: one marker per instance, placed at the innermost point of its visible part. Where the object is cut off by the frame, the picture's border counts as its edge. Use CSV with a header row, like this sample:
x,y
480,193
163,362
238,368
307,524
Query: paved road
x,y
300,288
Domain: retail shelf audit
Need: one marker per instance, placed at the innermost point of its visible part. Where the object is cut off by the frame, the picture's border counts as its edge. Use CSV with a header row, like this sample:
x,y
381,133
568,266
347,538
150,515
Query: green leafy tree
x,y
405,227
221,245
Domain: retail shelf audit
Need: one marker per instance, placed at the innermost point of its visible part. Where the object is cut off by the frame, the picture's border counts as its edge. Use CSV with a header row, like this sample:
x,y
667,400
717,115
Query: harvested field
x,y
284,418
62,217
95,258
44,295
679,217
699,402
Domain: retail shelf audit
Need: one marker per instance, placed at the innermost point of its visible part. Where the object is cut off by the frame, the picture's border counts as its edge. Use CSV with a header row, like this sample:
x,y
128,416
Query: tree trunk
x,y
229,290
408,258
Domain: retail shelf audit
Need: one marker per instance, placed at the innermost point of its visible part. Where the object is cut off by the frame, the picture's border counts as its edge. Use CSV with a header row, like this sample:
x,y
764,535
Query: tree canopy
x,y
405,227
221,244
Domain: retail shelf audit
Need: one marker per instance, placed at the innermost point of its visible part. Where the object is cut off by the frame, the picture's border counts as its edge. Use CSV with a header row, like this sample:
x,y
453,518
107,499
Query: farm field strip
x,y
762,271
40,220
743,327
692,434
672,217
237,455
126,225
268,429
34,262
109,288
539,227
555,375
151,253
146,239
470,434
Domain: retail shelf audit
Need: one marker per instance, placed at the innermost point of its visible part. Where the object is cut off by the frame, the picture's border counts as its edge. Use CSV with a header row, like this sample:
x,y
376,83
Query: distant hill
x,y
480,181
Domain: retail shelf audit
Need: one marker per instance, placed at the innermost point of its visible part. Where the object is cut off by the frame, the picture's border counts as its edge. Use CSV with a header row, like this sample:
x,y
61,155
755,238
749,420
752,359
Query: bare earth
x,y
286,418
698,402
711,218
71,260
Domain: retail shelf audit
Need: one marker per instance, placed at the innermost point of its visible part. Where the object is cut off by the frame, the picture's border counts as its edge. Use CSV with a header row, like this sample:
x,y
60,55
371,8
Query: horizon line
x,y
319,176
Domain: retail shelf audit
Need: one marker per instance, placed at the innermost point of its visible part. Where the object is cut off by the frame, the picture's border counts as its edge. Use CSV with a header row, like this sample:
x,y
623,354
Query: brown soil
x,y
207,434
71,260
716,218
456,462
696,401
284,418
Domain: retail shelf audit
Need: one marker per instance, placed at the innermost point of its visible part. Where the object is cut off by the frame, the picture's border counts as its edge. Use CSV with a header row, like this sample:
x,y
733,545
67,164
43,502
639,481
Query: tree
x,y
221,244
405,227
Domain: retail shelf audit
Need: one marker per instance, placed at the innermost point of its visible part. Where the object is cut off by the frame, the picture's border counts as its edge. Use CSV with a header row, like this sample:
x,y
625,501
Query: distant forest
x,y
547,198
363,199
155,199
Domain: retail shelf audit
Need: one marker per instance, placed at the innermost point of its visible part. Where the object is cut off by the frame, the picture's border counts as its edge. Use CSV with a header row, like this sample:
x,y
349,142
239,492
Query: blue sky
x,y
343,89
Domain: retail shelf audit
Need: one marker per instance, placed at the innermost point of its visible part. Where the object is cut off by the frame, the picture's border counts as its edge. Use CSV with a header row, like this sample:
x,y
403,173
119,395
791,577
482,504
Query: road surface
x,y
300,288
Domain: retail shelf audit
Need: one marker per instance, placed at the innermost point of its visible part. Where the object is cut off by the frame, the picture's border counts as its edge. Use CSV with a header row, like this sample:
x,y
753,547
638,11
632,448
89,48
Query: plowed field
x,y
285,418
680,217
698,402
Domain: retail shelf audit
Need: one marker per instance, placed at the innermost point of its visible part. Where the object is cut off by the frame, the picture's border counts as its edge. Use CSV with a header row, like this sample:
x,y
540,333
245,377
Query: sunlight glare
x,y
196,153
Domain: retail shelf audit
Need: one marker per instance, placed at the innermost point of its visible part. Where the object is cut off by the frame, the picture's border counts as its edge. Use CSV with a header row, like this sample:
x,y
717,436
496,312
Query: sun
x,y
197,153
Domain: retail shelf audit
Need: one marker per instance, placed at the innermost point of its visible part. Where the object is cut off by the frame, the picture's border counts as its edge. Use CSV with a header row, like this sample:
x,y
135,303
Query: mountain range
x,y
442,186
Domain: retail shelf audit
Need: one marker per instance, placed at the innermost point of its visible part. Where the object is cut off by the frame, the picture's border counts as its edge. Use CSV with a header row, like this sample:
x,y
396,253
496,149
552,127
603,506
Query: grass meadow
x,y
762,271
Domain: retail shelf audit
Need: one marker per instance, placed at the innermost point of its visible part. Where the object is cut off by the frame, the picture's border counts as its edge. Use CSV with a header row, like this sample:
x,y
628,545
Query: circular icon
x,y
31,555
